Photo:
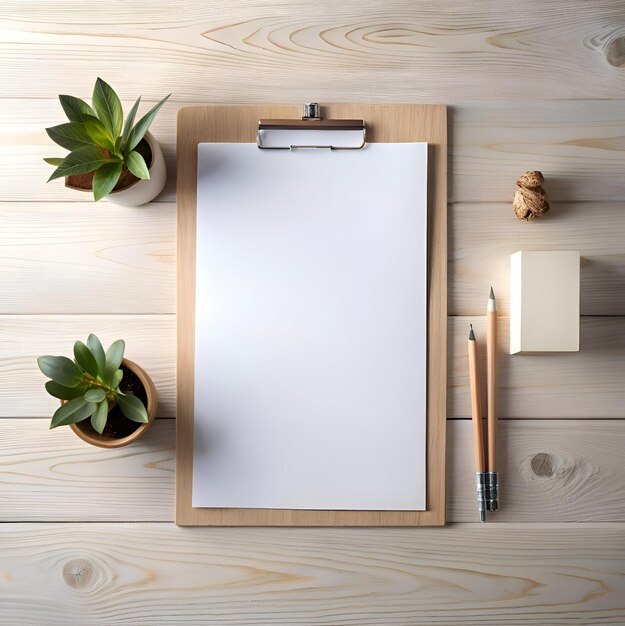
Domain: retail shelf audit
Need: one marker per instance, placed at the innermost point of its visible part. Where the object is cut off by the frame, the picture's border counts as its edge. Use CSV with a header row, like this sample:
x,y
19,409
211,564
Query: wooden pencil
x,y
476,417
491,380
492,476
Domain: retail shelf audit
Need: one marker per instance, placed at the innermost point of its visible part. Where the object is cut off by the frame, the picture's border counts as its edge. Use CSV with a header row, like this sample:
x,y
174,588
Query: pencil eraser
x,y
544,301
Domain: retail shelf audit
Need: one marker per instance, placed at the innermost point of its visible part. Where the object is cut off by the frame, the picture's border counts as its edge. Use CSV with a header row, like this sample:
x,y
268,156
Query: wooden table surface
x,y
88,536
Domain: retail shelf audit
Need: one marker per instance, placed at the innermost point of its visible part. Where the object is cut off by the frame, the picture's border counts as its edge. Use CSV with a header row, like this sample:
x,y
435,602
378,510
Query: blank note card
x,y
310,338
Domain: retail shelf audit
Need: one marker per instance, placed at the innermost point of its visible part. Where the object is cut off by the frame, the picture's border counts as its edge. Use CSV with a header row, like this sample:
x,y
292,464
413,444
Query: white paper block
x,y
544,301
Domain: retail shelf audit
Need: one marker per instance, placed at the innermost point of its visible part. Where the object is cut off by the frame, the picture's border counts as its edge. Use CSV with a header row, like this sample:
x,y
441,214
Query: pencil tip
x,y
471,333
492,294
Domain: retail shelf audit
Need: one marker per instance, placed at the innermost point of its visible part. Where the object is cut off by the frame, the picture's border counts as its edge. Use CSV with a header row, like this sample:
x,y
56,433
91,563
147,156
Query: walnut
x,y
530,200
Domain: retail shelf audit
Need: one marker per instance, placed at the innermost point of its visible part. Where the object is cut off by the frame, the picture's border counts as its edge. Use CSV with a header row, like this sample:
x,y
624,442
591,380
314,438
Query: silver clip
x,y
310,120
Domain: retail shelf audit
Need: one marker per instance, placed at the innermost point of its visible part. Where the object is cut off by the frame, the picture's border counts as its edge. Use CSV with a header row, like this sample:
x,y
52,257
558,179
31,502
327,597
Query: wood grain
x,y
394,123
96,574
52,475
416,51
103,250
575,385
150,341
81,258
550,472
578,145
595,229
585,384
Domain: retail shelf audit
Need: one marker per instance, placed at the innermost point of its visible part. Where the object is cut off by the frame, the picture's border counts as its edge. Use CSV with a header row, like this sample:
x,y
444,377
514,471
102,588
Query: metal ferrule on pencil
x,y
481,488
492,491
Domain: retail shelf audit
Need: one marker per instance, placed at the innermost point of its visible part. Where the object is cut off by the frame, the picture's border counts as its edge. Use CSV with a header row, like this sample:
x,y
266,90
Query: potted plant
x,y
107,400
117,160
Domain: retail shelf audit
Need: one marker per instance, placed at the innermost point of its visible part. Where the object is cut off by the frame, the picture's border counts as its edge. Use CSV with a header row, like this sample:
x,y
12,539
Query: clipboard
x,y
377,123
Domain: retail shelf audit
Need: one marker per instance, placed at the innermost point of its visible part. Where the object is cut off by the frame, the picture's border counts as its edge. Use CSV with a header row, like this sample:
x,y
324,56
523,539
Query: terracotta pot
x,y
141,191
86,432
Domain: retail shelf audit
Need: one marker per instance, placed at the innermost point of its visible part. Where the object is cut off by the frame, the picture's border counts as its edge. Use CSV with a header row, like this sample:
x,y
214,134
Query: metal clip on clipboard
x,y
291,134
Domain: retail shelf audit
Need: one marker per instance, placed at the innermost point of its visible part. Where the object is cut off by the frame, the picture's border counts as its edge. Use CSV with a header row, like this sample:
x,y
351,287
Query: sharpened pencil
x,y
476,417
491,379
492,493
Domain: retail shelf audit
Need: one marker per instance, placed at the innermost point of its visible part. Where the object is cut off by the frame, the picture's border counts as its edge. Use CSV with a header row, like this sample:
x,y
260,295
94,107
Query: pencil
x,y
476,416
491,395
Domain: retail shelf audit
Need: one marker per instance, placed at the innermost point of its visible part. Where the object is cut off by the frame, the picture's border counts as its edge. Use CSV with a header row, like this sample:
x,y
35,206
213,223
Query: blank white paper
x,y
310,336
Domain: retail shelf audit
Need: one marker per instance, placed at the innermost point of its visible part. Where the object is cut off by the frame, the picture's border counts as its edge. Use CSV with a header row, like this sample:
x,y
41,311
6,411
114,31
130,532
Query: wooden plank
x,y
159,574
389,124
77,258
481,240
131,253
52,475
150,341
574,385
426,51
585,384
549,473
578,145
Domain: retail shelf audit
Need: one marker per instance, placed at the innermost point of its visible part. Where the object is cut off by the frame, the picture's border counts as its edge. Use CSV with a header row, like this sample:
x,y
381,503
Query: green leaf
x,y
75,108
85,359
136,165
98,352
130,120
98,419
54,161
114,356
95,395
61,370
81,161
73,411
98,133
137,133
71,135
117,378
108,107
105,179
132,408
64,393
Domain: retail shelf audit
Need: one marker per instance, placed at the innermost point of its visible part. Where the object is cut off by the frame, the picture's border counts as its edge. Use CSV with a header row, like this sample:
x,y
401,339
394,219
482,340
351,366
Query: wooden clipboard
x,y
385,123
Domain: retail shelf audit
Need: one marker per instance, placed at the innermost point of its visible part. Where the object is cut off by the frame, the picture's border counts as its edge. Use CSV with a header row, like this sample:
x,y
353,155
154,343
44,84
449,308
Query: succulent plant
x,y
98,139
90,385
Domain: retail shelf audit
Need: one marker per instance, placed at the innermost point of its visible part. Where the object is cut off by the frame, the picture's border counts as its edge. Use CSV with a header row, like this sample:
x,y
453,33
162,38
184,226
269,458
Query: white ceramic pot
x,y
142,191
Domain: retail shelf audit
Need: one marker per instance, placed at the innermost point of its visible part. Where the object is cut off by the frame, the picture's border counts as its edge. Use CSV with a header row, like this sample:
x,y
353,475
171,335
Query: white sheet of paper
x,y
310,339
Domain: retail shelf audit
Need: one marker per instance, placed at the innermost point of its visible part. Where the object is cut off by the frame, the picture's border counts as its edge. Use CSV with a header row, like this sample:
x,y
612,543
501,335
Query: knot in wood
x,y
530,200
542,464
615,52
79,573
